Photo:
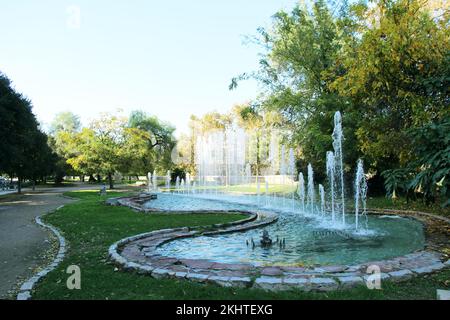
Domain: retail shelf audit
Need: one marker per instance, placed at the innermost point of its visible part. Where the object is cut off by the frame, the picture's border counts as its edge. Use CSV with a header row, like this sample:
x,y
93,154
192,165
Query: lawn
x,y
90,227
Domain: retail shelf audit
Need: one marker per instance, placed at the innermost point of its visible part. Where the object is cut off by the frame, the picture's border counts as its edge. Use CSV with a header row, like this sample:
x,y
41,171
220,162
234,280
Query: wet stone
x,y
330,269
348,274
300,275
229,266
293,269
271,271
297,283
401,274
197,277
178,268
240,281
197,264
350,282
429,269
323,284
229,273
145,269
355,268
180,274
222,281
161,273
268,283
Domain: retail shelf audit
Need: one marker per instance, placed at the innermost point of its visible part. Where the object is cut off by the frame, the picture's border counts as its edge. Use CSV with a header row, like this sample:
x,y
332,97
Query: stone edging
x,y
27,286
136,253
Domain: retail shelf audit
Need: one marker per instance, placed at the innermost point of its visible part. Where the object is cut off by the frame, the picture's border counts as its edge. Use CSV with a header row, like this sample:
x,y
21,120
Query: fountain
x,y
360,193
225,158
265,240
310,196
248,173
168,180
155,181
338,157
316,227
188,183
177,184
149,181
322,199
291,173
301,191
331,174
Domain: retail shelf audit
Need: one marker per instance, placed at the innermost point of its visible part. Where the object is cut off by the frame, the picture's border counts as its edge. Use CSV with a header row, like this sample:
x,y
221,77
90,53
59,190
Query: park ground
x,y
90,227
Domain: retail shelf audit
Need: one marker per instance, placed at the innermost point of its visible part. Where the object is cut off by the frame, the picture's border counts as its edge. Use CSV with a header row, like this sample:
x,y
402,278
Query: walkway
x,y
22,242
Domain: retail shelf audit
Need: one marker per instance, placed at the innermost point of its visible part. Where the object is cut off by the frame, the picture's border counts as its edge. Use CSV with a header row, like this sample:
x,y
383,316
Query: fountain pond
x,y
309,239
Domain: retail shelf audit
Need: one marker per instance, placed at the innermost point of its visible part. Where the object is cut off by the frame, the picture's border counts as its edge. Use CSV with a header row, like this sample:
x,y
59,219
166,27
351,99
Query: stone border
x,y
137,254
27,286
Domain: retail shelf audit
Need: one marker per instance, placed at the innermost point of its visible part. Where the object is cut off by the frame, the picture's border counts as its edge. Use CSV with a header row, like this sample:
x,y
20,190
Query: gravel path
x,y
23,243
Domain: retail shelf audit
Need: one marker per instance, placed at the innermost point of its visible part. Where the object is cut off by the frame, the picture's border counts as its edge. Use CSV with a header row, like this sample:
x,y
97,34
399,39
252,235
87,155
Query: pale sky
x,y
168,58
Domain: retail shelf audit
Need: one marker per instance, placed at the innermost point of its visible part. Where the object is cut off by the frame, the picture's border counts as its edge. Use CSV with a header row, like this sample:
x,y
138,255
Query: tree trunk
x,y
111,184
99,178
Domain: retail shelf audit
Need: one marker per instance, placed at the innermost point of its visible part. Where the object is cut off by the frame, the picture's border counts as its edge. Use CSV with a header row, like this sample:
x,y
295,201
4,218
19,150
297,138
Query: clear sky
x,y
168,58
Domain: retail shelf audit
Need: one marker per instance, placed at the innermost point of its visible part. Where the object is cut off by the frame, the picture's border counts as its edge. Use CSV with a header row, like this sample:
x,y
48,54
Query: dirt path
x,y
22,242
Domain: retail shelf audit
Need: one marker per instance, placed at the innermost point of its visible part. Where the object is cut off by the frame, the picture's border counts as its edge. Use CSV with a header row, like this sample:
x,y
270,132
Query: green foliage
x,y
431,144
113,143
24,150
65,121
395,181
384,66
429,172
159,141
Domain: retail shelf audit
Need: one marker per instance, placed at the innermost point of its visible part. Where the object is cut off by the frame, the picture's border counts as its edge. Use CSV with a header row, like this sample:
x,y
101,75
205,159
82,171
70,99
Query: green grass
x,y
90,228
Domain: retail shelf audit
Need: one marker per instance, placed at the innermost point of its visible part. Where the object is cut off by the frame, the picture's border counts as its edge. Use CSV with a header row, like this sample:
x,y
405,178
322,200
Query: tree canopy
x,y
384,65
24,151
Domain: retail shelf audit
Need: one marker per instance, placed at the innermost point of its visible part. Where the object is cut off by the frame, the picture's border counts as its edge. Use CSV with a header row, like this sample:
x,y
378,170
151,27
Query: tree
x,y
384,66
23,147
396,74
159,141
65,121
300,49
113,143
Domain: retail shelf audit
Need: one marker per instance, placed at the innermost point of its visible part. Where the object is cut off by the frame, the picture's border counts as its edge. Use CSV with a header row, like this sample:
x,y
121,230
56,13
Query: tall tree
x,y
24,151
160,141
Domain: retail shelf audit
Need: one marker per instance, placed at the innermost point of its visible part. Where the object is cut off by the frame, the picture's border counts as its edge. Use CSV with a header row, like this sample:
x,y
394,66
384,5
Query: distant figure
x,y
103,190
